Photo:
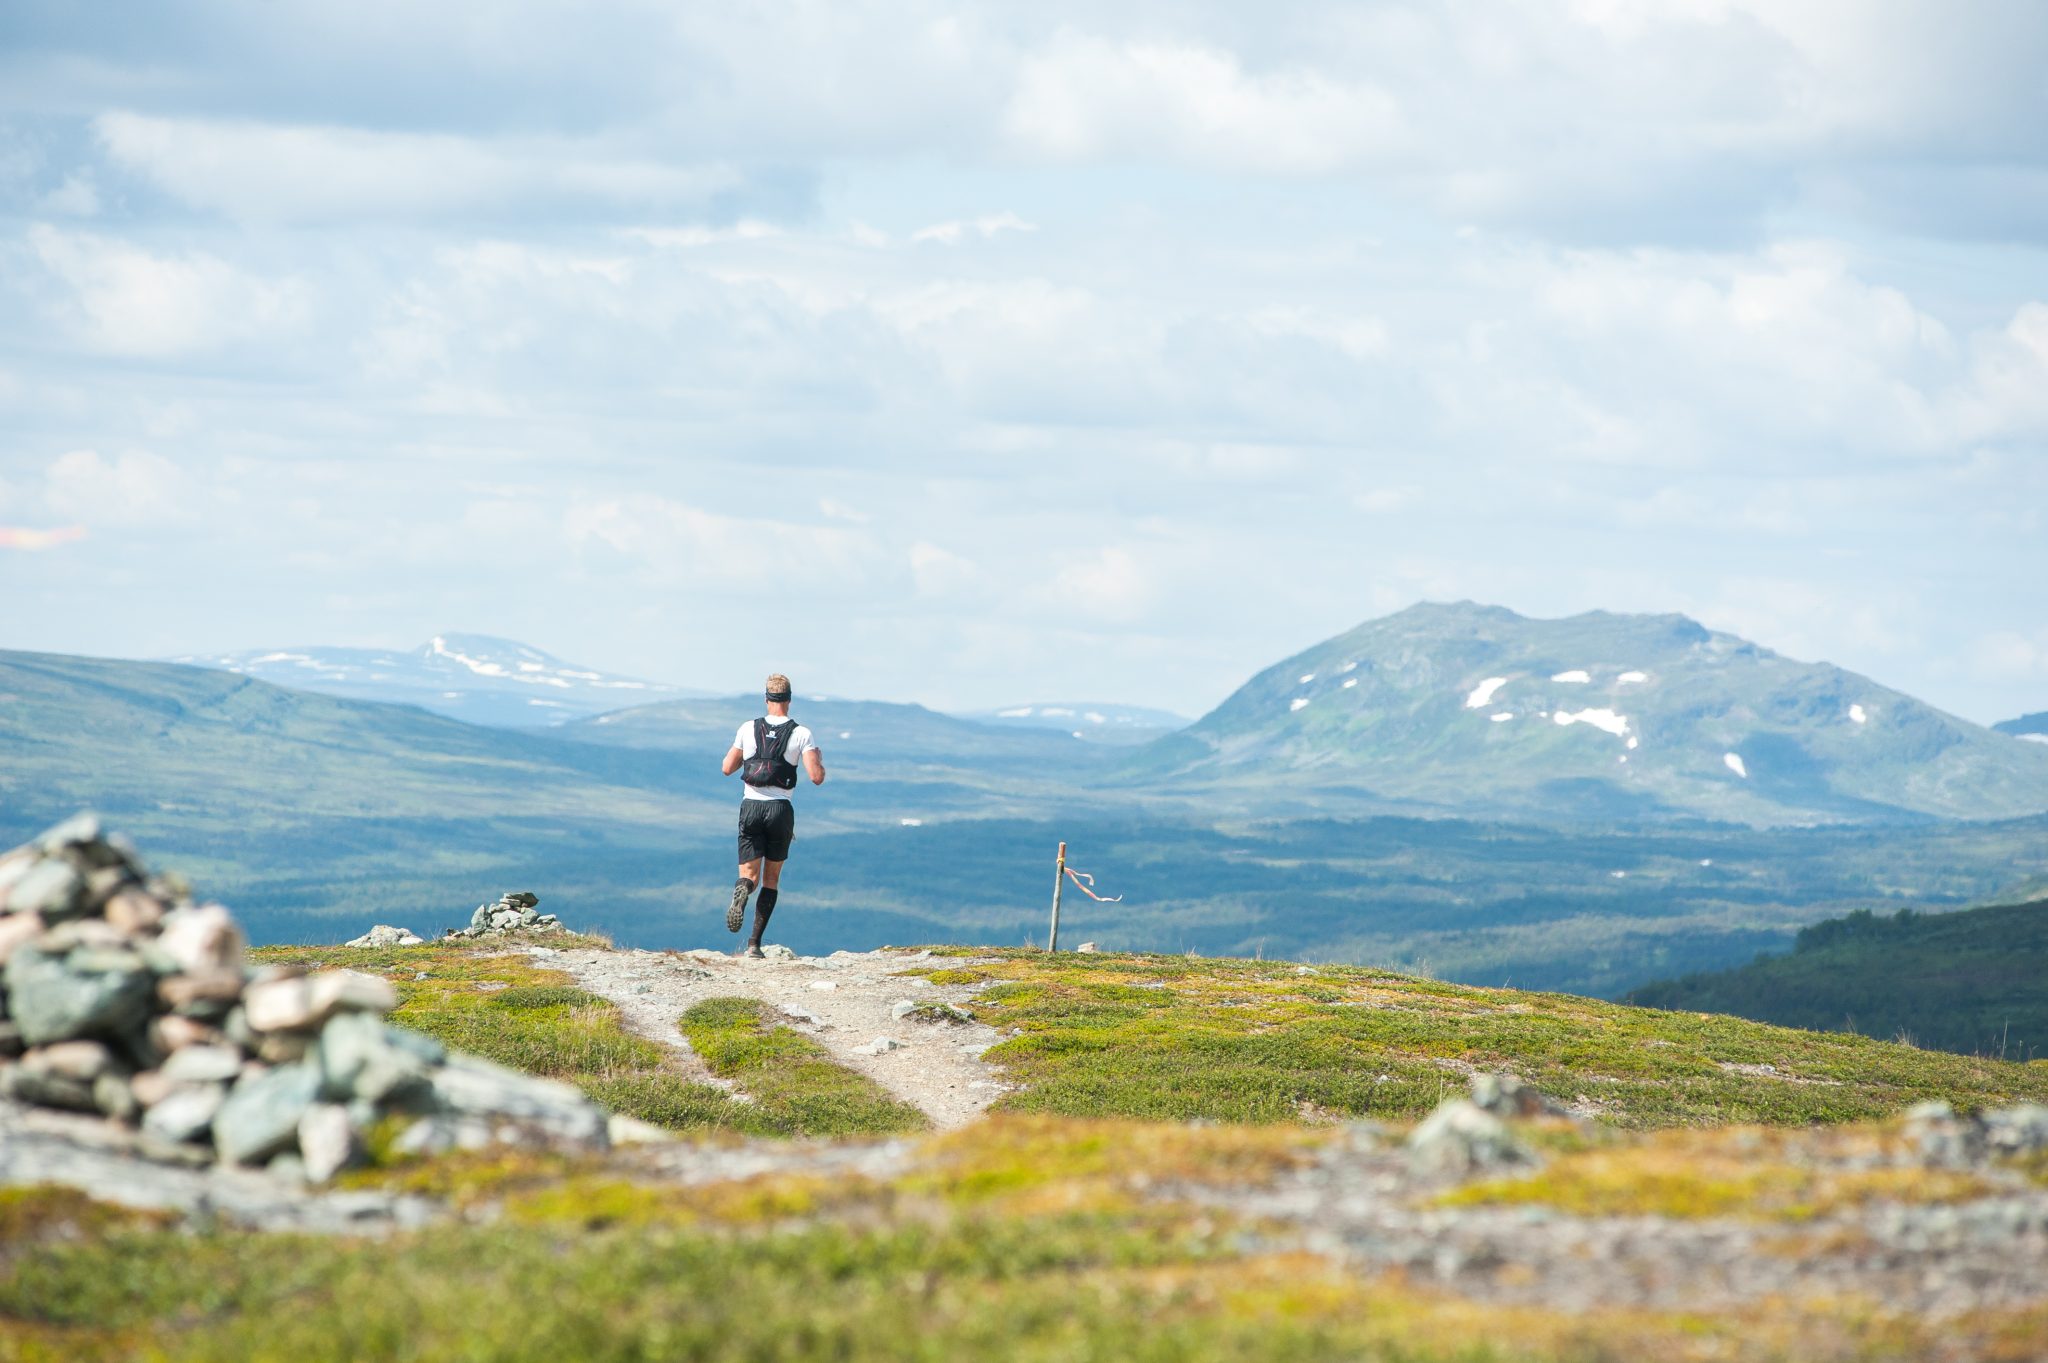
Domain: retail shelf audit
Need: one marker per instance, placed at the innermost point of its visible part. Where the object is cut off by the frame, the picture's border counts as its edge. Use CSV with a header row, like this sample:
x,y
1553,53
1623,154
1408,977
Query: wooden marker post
x,y
1059,880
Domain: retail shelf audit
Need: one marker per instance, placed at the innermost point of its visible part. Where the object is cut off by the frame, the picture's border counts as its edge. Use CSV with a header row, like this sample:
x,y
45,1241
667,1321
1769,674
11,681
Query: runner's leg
x,y
764,906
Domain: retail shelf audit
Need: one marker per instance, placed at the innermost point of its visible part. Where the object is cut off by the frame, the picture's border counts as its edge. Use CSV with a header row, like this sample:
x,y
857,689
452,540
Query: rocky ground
x,y
850,1002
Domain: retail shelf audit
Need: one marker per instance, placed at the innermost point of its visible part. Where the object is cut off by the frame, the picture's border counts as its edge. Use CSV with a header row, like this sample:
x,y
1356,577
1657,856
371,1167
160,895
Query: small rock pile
x,y
120,995
1471,1135
514,911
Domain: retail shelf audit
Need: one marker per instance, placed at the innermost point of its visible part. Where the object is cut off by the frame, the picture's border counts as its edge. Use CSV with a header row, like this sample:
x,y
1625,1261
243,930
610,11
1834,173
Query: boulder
x,y
362,1057
1461,1138
185,1114
16,929
465,1086
87,992
778,953
384,935
260,1117
202,940
51,887
203,1064
328,1143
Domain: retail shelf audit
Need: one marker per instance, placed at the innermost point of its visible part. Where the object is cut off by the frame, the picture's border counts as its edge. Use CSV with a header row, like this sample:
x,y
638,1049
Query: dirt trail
x,y
843,1001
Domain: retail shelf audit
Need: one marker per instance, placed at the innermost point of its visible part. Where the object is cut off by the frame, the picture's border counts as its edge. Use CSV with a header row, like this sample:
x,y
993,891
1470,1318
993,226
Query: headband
x,y
781,697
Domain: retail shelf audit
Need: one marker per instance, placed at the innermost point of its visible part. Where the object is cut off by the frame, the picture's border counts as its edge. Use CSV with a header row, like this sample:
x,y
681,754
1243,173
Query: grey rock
x,y
261,1116
186,1114
80,830
468,1087
777,952
1461,1137
1506,1096
52,887
89,992
1088,947
361,1056
902,1008
203,1064
521,899
481,918
46,1090
442,1132
384,935
881,1045
790,1010
327,1142
112,1095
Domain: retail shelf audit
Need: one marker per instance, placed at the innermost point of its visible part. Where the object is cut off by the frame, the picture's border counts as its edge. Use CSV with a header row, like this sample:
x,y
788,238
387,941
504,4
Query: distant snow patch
x,y
1057,712
1619,875
1021,712
281,658
1631,742
1706,861
1482,694
1735,764
911,823
1577,674
1501,716
2034,738
1297,703
1633,677
1348,667
1307,677
1350,682
550,704
451,695
1094,718
1599,719
846,733
531,667
1857,715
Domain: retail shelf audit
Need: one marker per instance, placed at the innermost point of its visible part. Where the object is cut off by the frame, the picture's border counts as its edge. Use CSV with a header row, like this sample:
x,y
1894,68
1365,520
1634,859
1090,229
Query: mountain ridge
x,y
478,678
1474,709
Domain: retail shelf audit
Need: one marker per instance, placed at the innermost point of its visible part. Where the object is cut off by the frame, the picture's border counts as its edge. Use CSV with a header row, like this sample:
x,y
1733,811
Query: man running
x,y
765,752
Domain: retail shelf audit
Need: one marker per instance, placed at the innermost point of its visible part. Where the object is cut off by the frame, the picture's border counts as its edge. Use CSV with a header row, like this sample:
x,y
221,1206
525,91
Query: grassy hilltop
x,y
1076,1222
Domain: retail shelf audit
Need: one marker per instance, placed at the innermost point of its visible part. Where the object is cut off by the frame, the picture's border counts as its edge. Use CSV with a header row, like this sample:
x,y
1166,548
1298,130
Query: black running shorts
x,y
766,827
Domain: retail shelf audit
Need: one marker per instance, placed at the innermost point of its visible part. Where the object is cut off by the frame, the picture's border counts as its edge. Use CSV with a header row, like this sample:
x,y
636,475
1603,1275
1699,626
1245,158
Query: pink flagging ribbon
x,y
1082,880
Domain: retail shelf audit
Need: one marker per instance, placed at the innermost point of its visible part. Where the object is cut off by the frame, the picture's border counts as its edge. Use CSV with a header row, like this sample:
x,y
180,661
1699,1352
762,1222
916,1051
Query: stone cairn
x,y
120,995
515,911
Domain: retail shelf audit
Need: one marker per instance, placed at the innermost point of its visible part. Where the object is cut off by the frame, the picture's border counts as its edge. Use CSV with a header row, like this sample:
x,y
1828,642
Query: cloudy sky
x,y
978,354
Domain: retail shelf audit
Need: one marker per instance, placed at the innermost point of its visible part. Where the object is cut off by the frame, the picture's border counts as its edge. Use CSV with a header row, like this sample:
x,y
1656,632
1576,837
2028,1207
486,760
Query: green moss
x,y
797,1088
1171,1037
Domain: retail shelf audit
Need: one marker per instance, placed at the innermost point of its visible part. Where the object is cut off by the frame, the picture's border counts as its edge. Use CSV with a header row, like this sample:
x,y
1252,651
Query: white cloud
x,y
1107,584
952,233
125,300
1083,97
134,487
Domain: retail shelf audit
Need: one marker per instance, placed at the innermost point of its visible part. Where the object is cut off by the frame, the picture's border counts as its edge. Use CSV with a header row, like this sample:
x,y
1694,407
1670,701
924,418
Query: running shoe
x,y
751,952
736,915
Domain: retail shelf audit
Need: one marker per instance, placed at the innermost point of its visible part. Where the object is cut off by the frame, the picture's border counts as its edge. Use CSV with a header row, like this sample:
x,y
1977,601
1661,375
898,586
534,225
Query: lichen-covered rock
x,y
85,992
261,1115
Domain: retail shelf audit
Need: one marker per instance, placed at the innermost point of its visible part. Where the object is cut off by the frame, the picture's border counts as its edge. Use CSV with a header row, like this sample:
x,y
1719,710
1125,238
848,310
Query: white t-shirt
x,y
793,752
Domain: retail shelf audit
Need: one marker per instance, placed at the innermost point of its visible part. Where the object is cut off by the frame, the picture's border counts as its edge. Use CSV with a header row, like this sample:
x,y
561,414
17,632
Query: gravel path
x,y
843,1001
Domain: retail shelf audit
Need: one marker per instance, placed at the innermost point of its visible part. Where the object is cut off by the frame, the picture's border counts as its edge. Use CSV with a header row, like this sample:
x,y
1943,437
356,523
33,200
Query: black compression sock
x,y
764,909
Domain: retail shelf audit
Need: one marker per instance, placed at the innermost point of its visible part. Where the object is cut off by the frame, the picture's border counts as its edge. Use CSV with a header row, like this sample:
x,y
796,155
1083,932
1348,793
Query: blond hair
x,y
778,682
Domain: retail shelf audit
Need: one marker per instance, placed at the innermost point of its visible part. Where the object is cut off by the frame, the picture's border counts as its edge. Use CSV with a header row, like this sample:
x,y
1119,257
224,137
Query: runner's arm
x,y
814,764
732,761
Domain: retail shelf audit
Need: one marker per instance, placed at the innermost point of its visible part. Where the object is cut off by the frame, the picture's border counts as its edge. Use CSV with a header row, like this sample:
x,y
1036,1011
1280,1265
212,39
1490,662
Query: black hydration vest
x,y
768,767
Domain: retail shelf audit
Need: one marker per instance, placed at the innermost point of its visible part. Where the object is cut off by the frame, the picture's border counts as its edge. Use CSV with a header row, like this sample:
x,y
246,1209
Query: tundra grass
x,y
1750,1173
477,998
797,1088
1069,1287
1169,1037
